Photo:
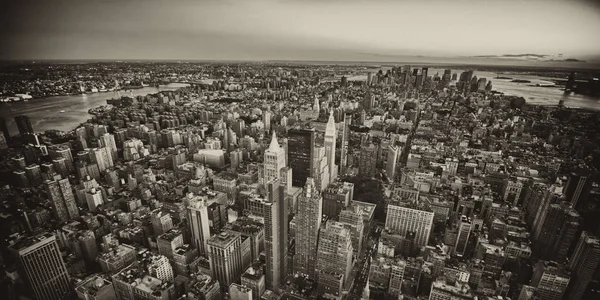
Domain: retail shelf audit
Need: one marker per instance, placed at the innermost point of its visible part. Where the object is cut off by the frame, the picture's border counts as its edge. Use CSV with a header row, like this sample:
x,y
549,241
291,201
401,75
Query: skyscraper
x,y
583,264
329,143
464,231
578,186
108,140
272,209
41,264
393,153
320,169
345,139
334,257
368,160
301,143
402,220
24,125
267,120
308,221
63,200
274,160
198,218
225,257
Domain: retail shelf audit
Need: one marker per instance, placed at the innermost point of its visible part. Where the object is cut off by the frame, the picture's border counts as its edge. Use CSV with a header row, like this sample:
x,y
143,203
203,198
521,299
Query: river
x,y
45,113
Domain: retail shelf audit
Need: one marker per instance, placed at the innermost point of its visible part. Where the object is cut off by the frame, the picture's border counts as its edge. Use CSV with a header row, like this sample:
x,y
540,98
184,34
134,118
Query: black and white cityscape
x,y
288,149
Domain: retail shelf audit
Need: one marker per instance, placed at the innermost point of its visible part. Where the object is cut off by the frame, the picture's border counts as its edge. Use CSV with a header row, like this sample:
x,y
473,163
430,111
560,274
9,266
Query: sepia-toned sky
x,y
296,29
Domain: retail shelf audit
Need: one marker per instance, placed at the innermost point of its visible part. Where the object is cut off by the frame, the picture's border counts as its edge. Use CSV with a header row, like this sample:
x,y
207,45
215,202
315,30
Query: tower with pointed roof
x,y
329,143
274,160
316,105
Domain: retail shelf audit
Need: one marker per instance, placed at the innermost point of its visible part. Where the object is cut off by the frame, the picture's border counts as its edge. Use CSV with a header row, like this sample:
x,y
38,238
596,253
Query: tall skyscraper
x,y
578,186
583,264
320,169
24,125
108,140
272,209
334,257
464,231
368,161
63,200
393,153
41,265
345,139
402,220
329,143
336,197
557,232
308,221
267,120
198,217
301,143
274,160
225,257
102,157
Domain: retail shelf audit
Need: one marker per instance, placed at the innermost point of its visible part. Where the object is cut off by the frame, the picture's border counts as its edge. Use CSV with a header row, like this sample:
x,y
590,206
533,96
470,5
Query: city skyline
x,y
354,30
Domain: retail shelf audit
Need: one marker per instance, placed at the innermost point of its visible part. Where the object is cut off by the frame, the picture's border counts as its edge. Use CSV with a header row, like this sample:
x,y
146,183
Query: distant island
x,y
520,81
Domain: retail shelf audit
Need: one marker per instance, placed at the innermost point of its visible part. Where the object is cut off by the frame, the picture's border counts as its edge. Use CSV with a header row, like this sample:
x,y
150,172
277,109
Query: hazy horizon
x,y
294,30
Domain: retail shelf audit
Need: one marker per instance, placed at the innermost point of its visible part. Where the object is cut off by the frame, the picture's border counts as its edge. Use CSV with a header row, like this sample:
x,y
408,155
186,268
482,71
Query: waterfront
x,y
45,113
536,95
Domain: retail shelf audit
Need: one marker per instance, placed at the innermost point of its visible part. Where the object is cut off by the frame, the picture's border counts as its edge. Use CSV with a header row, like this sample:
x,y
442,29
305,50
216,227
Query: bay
x,y
67,112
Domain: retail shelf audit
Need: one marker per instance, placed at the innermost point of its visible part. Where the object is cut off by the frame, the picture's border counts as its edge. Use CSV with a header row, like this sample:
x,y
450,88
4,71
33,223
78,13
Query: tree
x,y
517,102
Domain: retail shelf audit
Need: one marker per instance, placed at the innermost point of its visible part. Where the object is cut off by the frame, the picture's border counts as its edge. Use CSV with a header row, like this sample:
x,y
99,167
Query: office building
x,y
161,222
224,254
301,143
95,287
274,160
440,290
203,287
239,292
272,208
352,218
344,146
334,257
24,125
168,242
583,263
40,264
308,221
336,197
393,154
403,220
255,280
329,143
320,169
550,280
62,198
464,232
199,225
578,186
368,161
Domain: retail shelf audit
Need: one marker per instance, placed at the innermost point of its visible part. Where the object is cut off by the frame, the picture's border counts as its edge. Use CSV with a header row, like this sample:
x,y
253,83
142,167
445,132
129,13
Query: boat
x,y
62,111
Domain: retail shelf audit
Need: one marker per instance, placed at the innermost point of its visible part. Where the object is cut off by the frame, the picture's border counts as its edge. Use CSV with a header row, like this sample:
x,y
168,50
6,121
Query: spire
x,y
330,129
274,146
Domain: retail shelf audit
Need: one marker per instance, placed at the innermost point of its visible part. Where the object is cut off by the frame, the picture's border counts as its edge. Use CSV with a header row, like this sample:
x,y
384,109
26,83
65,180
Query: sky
x,y
343,30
